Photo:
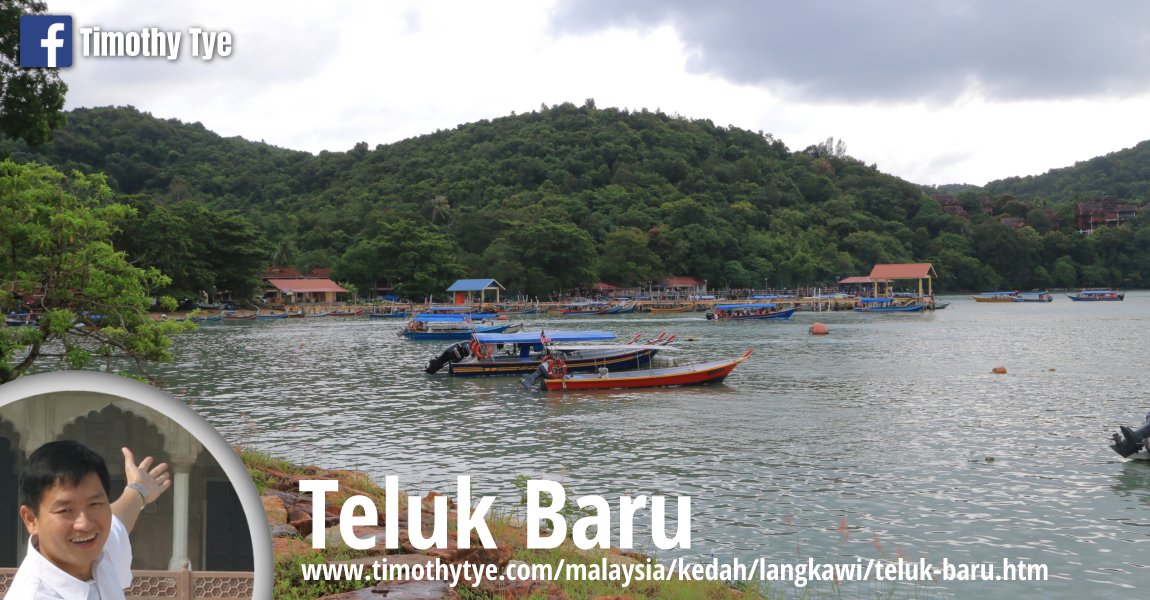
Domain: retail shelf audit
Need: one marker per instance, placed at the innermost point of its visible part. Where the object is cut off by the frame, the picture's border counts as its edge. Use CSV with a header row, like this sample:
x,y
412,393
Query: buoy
x,y
502,318
998,370
818,328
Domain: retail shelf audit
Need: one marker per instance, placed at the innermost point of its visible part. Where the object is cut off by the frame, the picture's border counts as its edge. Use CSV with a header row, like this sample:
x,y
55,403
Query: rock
x,y
275,510
284,547
412,590
284,531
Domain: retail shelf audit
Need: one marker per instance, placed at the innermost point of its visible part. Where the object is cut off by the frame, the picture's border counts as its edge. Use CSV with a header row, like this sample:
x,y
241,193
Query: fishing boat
x,y
886,305
1097,296
388,313
279,315
739,312
1133,442
432,326
995,297
14,319
1033,297
669,308
553,375
581,309
521,353
231,315
345,313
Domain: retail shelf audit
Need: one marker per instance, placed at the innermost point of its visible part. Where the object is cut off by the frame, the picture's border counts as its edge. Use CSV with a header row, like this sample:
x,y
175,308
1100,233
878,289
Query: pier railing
x,y
175,585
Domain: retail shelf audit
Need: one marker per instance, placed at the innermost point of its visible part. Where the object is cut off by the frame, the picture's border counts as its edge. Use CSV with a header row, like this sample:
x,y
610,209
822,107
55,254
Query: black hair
x,y
62,462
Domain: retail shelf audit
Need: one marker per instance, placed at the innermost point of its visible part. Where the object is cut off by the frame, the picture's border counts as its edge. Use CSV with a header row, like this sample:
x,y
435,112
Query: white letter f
x,y
51,43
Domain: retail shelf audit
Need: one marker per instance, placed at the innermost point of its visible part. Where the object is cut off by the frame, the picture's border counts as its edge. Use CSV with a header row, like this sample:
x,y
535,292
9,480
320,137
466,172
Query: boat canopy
x,y
451,308
771,297
998,293
426,317
738,306
1095,292
874,300
535,337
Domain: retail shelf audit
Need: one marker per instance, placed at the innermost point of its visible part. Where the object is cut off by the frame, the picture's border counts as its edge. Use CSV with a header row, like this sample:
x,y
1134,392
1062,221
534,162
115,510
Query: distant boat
x,y
1097,296
743,312
433,326
1033,297
20,319
345,313
559,378
885,305
996,297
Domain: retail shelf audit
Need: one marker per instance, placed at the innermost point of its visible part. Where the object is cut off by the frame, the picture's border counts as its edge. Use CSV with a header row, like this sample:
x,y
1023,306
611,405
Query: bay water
x,y
888,438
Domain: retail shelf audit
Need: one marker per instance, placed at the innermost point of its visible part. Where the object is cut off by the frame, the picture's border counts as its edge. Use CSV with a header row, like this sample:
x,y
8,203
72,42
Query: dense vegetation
x,y
561,198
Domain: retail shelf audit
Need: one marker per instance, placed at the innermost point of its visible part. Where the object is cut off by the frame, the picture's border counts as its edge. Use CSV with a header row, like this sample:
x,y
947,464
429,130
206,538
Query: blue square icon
x,y
45,41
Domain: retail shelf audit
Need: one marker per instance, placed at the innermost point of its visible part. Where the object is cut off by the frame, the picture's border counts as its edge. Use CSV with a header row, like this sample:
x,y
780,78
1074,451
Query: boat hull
x,y
462,334
911,308
714,372
517,366
778,314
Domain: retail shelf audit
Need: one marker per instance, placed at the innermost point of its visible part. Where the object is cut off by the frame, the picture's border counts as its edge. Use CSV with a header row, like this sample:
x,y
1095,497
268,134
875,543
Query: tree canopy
x,y
566,196
31,100
58,264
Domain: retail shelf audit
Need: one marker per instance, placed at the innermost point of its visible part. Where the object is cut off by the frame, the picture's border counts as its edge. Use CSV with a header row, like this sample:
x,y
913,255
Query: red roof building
x,y
305,290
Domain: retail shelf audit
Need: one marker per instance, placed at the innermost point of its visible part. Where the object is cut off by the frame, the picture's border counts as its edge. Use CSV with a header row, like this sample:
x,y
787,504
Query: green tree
x,y
412,259
628,258
31,100
542,259
57,261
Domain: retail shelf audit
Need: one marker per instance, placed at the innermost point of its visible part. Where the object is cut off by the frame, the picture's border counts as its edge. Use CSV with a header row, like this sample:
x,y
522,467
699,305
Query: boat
x,y
738,312
886,305
669,308
941,305
553,375
432,326
995,297
580,309
521,353
14,319
1097,296
1133,442
345,313
280,315
1033,297
231,315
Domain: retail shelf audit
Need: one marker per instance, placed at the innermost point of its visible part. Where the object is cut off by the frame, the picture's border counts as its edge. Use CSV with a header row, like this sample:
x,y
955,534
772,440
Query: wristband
x,y
141,491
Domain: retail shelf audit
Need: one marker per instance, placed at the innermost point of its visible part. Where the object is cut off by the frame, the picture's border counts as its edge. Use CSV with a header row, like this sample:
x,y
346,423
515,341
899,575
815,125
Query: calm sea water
x,y
892,425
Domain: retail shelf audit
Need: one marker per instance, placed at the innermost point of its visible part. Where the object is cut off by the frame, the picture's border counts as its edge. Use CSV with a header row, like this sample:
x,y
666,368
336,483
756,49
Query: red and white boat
x,y
557,377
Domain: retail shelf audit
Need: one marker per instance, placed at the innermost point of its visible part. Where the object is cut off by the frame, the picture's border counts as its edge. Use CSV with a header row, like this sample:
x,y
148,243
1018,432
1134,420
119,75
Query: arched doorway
x,y
105,432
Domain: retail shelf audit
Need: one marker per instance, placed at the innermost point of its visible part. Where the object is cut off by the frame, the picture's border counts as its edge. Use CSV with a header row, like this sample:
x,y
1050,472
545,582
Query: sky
x,y
947,91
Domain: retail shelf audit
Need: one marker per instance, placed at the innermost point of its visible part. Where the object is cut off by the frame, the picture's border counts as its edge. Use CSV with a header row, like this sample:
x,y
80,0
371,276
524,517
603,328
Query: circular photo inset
x,y
113,485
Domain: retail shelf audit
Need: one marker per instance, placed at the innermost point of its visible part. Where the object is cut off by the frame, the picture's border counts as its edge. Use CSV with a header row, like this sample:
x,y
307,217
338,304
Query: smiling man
x,y
79,547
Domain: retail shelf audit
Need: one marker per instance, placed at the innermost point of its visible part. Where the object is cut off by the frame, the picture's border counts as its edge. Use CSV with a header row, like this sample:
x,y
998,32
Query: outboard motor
x,y
540,373
1132,440
453,354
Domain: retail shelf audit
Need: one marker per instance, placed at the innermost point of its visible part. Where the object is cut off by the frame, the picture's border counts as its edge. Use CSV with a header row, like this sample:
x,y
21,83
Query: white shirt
x,y
39,579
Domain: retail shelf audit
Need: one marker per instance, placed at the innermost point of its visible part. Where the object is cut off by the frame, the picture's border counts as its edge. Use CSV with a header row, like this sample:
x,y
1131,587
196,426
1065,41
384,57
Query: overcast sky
x,y
948,91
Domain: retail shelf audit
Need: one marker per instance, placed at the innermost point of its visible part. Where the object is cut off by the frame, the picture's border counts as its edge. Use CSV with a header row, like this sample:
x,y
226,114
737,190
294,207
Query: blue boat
x,y
440,326
740,312
1033,297
1097,296
14,319
522,353
885,305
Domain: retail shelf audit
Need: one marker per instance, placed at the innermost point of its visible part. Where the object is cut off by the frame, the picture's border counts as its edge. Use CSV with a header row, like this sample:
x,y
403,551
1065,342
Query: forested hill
x,y
1125,174
567,196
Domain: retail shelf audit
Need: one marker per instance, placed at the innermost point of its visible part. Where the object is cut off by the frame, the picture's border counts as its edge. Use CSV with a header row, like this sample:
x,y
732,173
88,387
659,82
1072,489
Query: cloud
x,y
899,50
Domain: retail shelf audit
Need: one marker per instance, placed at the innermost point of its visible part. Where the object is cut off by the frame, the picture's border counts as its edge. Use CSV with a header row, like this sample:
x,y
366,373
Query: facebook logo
x,y
45,41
